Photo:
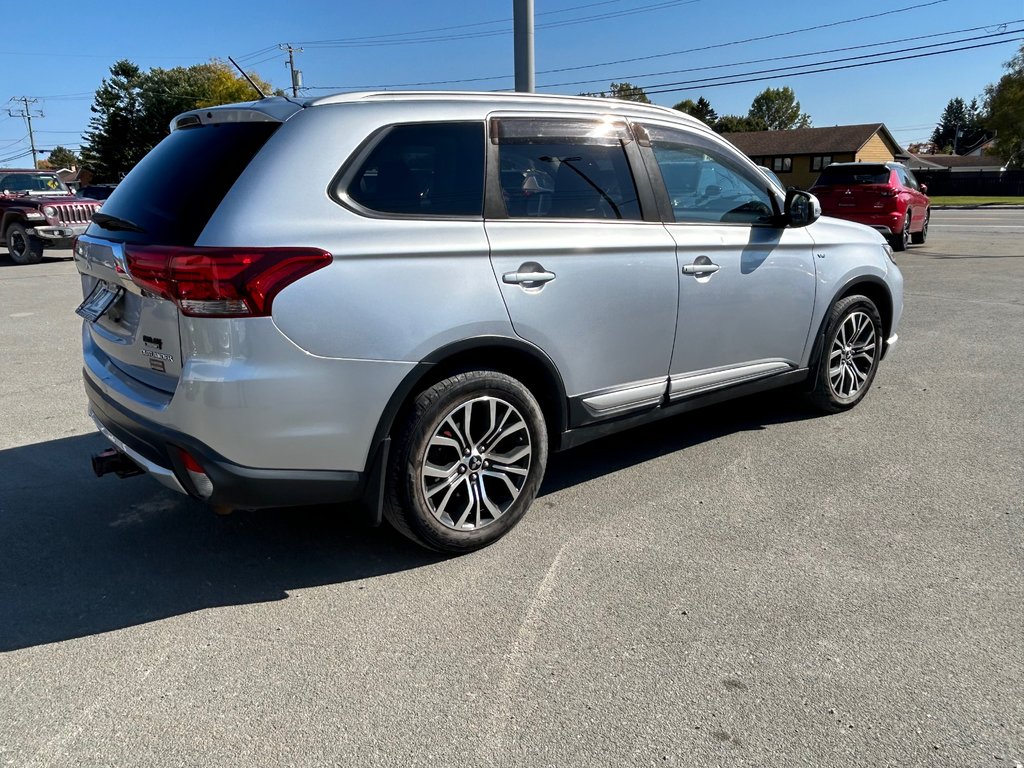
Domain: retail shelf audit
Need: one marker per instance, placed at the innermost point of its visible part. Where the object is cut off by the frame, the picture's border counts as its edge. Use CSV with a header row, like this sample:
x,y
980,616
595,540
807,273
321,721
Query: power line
x,y
796,55
710,81
999,26
772,36
26,113
664,88
649,57
26,153
439,29
379,42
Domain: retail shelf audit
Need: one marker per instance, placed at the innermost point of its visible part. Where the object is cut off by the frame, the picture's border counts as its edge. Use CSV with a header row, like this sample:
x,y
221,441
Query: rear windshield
x,y
174,191
853,174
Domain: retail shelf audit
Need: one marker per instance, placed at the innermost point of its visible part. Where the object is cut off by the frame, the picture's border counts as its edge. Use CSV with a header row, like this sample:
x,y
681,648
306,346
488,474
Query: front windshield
x,y
33,183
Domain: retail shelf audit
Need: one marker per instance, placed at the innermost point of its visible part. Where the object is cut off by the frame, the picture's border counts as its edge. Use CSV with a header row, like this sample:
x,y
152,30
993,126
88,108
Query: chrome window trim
x,y
337,189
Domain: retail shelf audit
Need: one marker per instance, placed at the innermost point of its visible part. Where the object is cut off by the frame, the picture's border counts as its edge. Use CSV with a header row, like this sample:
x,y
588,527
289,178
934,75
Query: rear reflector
x,y
221,282
200,480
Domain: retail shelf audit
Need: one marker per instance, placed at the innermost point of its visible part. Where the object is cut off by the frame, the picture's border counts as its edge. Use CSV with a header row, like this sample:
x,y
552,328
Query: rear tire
x,y
918,238
850,353
23,247
467,463
901,240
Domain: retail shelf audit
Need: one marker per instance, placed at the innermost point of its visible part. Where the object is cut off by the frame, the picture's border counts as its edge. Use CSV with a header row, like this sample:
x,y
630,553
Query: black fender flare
x,y
459,354
843,290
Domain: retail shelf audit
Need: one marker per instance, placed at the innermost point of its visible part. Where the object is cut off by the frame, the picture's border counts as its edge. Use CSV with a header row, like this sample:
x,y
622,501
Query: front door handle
x,y
529,275
700,269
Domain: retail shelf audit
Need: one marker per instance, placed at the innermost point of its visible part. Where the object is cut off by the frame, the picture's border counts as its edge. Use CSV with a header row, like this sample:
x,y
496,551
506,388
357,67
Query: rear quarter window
x,y
424,169
172,193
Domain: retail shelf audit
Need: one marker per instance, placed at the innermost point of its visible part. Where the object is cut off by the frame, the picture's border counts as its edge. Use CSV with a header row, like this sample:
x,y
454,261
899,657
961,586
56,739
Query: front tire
x,y
467,463
23,247
849,356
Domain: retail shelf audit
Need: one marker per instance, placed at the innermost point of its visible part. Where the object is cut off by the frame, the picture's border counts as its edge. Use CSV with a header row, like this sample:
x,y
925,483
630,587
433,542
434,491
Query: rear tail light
x,y
887,192
221,282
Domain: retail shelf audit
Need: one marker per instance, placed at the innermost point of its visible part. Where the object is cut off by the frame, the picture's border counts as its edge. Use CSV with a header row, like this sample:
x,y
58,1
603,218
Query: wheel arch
x,y
874,288
514,357
10,217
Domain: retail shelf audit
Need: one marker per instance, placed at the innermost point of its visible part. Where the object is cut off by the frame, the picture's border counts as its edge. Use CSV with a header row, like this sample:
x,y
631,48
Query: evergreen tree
x,y
133,109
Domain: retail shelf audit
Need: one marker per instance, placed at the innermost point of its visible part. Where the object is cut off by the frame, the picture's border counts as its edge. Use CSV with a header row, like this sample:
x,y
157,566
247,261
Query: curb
x,y
994,206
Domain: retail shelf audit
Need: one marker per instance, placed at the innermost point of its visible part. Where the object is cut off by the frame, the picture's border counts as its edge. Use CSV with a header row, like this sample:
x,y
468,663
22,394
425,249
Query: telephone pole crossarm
x,y
26,113
295,73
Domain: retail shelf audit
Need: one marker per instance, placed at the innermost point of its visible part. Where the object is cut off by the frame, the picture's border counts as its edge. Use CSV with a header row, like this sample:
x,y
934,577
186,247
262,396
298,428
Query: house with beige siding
x,y
799,155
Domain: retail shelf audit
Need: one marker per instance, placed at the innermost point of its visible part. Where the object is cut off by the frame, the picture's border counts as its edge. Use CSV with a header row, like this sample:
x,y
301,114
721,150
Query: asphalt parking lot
x,y
752,584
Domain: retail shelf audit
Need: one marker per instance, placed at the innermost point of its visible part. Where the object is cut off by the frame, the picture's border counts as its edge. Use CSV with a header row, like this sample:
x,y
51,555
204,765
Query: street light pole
x,y
522,13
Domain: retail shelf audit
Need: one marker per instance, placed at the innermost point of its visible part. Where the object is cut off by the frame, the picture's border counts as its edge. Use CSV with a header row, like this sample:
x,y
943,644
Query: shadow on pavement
x,y
81,556
635,446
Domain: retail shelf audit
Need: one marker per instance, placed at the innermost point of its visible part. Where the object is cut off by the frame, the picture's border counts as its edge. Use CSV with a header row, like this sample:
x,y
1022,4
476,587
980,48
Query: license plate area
x,y
102,298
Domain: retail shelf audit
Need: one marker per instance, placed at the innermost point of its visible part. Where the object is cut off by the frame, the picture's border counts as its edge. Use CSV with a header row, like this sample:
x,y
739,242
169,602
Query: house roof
x,y
812,141
922,163
965,161
67,174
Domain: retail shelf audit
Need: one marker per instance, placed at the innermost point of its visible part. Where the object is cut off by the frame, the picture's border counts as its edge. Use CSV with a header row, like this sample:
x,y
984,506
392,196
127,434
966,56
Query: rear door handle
x,y
700,269
519,278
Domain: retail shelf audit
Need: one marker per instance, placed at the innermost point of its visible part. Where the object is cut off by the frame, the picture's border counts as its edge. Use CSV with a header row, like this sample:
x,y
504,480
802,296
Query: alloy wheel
x,y
476,463
17,244
852,355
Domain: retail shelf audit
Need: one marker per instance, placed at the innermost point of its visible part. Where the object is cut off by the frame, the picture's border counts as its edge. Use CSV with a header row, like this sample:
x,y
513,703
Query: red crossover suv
x,y
884,196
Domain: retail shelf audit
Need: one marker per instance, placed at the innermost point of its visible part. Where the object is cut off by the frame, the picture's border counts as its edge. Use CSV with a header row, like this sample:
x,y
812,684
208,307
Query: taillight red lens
x,y
221,282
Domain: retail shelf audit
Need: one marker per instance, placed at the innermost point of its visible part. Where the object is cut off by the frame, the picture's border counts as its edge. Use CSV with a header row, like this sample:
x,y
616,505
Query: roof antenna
x,y
256,87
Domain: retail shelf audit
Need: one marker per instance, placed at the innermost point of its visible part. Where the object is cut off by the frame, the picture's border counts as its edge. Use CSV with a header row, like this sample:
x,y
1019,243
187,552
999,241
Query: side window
x,y
705,185
911,180
782,164
565,169
424,169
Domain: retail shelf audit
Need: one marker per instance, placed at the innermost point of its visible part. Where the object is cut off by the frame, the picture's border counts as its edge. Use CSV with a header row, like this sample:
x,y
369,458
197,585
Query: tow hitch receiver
x,y
112,460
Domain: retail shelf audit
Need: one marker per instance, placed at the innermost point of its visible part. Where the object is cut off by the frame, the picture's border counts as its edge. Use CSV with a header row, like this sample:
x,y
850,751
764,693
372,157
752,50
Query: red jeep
x,y
884,196
38,211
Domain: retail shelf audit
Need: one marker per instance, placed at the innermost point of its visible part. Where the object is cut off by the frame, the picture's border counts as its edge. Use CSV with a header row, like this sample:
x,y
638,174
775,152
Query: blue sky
x,y
348,45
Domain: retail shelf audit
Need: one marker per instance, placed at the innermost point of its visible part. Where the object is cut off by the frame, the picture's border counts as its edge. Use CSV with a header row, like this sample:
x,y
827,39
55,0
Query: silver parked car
x,y
411,298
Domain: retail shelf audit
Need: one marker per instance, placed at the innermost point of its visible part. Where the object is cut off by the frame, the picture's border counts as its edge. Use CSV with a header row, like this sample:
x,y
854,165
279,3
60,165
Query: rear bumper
x,y
886,223
156,449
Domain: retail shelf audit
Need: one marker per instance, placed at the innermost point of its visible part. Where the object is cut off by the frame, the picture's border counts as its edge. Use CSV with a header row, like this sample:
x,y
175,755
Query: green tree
x,y
624,91
737,124
701,109
628,92
61,157
132,109
111,146
961,125
778,110
1004,104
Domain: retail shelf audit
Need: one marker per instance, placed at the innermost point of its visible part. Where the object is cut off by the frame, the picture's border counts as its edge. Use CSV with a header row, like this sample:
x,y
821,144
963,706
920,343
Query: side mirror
x,y
802,208
924,189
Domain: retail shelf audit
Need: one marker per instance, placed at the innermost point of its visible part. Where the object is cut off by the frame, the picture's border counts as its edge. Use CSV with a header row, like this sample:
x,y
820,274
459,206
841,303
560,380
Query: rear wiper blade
x,y
115,223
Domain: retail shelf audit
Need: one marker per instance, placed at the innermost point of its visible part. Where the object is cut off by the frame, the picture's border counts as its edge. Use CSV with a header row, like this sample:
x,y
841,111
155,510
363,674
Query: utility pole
x,y
522,15
26,112
296,73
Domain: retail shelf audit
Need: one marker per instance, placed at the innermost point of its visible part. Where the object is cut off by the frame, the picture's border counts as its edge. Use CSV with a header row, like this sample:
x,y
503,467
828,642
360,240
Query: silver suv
x,y
411,298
